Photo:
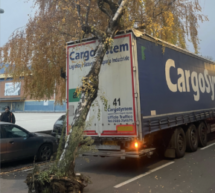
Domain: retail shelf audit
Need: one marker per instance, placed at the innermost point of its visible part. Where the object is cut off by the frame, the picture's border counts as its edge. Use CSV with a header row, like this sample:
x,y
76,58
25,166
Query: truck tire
x,y
180,142
192,138
202,134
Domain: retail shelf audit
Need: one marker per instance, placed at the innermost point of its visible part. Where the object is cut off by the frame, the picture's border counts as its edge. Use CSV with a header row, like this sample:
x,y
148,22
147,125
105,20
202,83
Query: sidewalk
x,y
13,183
12,180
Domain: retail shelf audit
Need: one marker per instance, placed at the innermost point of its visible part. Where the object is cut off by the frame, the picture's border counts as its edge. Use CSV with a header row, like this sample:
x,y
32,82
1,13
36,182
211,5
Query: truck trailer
x,y
152,95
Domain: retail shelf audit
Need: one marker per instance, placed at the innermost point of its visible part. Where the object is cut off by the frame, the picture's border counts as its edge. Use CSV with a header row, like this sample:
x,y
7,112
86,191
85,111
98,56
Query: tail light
x,y
136,145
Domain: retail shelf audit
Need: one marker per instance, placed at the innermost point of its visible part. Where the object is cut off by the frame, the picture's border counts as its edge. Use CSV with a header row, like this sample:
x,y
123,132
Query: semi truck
x,y
152,95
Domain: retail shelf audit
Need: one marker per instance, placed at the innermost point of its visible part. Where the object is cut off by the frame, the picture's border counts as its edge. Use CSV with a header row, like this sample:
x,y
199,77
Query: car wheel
x,y
44,152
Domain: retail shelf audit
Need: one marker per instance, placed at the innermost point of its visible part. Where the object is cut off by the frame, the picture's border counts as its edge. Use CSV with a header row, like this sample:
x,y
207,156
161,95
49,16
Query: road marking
x,y
142,175
208,146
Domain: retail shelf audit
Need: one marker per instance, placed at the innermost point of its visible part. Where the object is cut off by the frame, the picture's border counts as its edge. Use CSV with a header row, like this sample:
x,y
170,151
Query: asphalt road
x,y
195,173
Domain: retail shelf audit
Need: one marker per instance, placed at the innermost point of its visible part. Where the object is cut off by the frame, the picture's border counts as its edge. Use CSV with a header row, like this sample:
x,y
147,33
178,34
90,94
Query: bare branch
x,y
101,7
163,10
170,4
155,7
79,13
87,15
157,3
91,30
113,6
120,9
64,33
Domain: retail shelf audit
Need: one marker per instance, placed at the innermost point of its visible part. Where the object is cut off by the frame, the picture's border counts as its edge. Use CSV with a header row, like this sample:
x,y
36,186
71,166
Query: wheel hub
x,y
45,153
180,142
193,137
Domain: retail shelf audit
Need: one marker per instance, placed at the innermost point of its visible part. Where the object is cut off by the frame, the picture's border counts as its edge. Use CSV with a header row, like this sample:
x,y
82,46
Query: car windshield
x,y
62,118
11,131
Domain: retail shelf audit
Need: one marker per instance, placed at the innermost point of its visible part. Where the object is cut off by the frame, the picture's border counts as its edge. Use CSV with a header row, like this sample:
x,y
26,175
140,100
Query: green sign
x,y
143,54
73,95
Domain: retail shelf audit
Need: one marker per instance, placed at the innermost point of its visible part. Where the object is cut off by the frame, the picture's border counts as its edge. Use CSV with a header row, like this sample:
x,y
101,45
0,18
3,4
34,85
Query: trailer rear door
x,y
113,111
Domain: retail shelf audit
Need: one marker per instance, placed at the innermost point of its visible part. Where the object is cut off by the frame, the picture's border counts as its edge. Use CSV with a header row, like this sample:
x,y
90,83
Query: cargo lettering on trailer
x,y
85,58
199,81
173,81
91,53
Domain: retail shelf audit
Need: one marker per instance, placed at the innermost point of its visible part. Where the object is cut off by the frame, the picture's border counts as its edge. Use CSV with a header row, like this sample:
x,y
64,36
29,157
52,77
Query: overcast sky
x,y
16,15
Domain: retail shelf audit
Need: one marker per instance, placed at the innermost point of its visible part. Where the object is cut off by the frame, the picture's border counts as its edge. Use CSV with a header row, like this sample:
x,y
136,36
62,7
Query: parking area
x,y
37,122
33,122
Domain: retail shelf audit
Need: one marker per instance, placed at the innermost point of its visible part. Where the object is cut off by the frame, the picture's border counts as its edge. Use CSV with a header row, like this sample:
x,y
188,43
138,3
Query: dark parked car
x,y
58,126
17,143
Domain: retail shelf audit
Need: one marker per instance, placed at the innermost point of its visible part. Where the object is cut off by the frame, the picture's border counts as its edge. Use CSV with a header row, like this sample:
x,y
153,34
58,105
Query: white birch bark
x,y
85,102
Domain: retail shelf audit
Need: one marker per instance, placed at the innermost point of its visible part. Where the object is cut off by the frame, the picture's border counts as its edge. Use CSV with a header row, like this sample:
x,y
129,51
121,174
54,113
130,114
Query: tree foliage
x,y
38,51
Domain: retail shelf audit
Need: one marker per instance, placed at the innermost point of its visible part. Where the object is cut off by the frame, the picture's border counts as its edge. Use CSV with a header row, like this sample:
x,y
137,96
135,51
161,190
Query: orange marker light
x,y
136,144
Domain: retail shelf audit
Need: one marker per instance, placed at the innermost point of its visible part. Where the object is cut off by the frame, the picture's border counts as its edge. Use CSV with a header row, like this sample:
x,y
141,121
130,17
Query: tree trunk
x,y
83,107
88,94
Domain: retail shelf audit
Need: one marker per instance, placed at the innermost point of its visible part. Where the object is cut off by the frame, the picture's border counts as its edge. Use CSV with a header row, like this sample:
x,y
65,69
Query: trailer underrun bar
x,y
122,154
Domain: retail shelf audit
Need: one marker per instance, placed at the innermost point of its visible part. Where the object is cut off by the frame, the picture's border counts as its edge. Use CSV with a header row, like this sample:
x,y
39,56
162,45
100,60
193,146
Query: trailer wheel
x,y
180,143
202,134
192,138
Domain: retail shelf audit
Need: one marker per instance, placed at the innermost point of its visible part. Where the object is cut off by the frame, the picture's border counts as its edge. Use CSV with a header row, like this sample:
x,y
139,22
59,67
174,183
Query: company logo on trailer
x,y
90,53
199,82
